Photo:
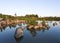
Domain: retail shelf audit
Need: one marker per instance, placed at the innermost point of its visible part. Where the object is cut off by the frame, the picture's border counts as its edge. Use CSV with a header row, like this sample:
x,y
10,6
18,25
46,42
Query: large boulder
x,y
30,26
36,27
19,32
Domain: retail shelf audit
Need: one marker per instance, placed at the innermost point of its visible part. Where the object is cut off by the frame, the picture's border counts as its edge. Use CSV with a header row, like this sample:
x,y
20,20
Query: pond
x,y
49,35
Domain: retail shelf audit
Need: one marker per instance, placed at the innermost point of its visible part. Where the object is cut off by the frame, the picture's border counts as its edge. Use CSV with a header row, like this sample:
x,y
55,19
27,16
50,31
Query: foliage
x,y
32,15
50,18
29,17
43,22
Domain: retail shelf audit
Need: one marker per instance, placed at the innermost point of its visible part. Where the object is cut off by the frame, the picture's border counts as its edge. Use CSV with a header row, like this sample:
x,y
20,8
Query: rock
x,y
44,27
40,26
36,27
19,32
55,23
30,26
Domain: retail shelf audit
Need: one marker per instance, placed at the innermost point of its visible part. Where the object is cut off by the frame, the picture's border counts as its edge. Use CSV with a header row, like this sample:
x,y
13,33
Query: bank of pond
x,y
35,26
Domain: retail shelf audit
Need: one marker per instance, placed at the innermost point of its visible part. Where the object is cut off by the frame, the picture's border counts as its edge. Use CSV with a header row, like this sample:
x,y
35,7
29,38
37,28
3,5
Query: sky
x,y
23,7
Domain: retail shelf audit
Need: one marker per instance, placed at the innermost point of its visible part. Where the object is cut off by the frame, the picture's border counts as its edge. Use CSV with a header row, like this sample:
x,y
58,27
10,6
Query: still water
x,y
49,35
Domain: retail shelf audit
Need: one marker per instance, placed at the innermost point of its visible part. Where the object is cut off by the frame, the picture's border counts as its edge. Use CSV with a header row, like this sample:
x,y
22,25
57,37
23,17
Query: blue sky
x,y
23,7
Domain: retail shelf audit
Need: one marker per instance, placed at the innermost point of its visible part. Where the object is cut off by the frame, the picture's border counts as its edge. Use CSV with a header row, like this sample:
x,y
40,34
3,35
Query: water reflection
x,y
19,34
55,24
18,40
12,25
43,30
2,28
33,32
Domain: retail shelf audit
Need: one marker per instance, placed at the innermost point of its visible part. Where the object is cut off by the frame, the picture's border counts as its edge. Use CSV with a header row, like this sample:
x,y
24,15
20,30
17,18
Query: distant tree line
x,y
29,17
6,16
50,18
